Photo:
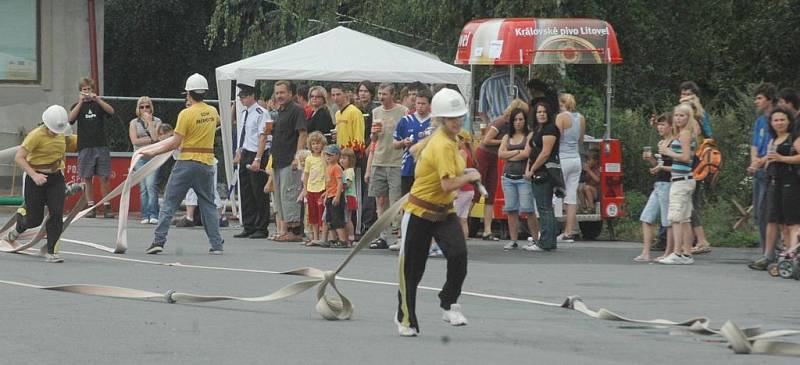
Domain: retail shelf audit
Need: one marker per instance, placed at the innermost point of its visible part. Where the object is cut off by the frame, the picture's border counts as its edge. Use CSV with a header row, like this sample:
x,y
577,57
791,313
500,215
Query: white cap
x,y
56,119
196,83
448,103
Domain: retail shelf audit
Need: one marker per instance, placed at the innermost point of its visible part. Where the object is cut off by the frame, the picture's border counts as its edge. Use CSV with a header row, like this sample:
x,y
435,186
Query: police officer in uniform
x,y
252,178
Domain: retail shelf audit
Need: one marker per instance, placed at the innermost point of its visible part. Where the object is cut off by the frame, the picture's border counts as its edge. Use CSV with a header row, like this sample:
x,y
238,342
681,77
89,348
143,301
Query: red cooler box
x,y
119,172
612,197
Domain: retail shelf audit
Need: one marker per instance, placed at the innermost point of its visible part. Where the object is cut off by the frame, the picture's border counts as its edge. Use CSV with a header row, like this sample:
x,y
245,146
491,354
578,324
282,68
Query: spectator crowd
x,y
323,162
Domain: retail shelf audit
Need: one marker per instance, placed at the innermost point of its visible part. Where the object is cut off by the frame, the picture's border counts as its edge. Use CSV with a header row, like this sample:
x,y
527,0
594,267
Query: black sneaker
x,y
184,223
243,234
212,251
92,213
107,211
155,248
379,243
259,235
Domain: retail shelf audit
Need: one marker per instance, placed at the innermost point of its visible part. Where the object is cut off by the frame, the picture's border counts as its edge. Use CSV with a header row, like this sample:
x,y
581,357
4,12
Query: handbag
x,y
552,173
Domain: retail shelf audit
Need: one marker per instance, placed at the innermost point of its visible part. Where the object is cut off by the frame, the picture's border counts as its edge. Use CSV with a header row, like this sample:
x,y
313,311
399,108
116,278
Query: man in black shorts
x,y
94,159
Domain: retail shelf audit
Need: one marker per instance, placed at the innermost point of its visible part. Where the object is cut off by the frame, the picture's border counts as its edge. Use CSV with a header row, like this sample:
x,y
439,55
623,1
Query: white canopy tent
x,y
340,54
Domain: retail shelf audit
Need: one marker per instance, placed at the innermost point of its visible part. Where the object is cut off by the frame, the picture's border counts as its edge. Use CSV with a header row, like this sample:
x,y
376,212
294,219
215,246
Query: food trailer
x,y
537,41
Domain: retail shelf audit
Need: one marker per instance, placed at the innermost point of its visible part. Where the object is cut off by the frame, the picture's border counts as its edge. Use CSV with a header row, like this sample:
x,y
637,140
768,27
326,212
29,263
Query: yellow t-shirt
x,y
350,127
44,148
197,125
315,168
440,159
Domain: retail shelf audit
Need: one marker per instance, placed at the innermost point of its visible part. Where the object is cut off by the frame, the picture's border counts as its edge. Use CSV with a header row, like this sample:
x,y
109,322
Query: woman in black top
x,y
783,187
515,149
321,120
658,203
544,149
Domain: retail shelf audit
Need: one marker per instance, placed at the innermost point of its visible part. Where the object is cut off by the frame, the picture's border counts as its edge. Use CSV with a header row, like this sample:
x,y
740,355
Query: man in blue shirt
x,y
759,145
410,130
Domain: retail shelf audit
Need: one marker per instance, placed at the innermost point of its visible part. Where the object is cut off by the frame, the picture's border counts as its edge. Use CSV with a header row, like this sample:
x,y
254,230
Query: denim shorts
x,y
657,205
518,195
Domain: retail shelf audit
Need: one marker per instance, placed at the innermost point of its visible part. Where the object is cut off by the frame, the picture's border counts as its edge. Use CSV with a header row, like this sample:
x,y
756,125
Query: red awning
x,y
523,41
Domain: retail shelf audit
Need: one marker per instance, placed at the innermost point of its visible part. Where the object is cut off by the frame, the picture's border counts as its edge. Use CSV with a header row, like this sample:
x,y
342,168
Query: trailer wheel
x,y
786,269
591,230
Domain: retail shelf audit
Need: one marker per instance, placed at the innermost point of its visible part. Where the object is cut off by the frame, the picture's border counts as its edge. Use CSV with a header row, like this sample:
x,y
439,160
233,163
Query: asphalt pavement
x,y
46,327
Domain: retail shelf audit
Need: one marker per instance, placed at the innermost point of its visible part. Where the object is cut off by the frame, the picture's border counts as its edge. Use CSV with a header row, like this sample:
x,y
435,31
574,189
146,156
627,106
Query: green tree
x,y
152,46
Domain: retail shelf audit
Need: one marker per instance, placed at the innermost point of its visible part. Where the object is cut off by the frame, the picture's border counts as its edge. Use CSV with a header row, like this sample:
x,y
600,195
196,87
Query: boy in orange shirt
x,y
334,197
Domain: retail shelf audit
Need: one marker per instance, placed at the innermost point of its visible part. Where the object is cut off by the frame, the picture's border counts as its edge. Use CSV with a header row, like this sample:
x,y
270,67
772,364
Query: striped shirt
x,y
494,94
679,168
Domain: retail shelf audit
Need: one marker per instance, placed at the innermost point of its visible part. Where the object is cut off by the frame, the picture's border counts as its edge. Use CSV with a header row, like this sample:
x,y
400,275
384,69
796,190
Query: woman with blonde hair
x,y
143,131
703,246
682,184
570,142
320,120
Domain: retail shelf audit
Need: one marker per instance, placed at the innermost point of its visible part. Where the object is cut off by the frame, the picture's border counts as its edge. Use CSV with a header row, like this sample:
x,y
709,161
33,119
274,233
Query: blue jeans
x,y
543,193
657,205
200,177
148,192
518,195
760,205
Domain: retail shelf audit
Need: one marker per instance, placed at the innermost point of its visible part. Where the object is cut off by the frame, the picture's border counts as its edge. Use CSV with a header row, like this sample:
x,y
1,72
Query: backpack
x,y
708,162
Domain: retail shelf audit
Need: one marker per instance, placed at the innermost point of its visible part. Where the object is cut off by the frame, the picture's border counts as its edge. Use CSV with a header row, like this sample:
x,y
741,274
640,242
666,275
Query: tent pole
x,y
471,100
512,86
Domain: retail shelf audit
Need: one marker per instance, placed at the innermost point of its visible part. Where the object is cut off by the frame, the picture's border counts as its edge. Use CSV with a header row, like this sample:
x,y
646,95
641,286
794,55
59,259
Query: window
x,y
19,45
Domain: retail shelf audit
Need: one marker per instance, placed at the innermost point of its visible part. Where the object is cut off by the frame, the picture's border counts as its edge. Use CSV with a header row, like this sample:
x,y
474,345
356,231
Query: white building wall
x,y
64,57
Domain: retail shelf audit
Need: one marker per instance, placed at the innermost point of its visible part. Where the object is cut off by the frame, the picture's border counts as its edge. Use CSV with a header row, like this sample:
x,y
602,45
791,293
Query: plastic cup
x,y
377,126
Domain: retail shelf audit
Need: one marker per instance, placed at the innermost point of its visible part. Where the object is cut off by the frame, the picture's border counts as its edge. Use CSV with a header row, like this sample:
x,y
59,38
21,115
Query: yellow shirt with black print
x,y
439,160
197,125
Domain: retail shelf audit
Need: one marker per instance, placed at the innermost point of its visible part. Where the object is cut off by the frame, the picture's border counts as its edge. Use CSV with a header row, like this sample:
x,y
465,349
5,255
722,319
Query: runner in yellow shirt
x,y
429,214
194,168
41,155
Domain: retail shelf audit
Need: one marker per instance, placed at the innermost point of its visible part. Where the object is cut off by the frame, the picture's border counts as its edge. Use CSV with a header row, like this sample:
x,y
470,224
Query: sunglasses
x,y
144,106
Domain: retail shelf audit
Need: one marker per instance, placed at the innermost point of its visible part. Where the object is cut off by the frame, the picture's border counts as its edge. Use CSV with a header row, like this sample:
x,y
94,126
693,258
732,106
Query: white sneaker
x,y
687,260
53,258
144,221
672,259
395,246
403,330
454,316
511,246
563,238
153,221
533,248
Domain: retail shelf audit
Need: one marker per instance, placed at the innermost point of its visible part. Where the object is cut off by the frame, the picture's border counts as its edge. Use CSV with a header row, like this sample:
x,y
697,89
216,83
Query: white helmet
x,y
56,119
196,83
448,103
